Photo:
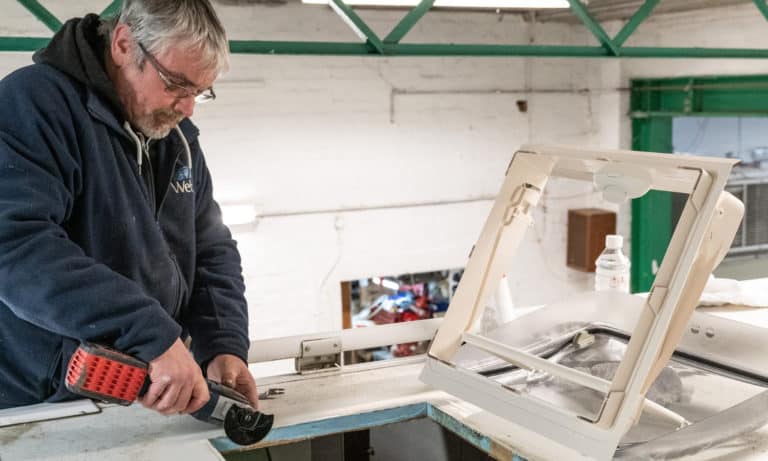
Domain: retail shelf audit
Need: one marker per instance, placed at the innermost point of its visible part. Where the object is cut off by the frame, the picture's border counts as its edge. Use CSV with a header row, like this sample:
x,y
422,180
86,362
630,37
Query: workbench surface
x,y
310,407
360,397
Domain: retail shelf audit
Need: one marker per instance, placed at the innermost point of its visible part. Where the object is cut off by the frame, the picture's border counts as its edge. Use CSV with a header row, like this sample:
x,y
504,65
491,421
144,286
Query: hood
x,y
77,49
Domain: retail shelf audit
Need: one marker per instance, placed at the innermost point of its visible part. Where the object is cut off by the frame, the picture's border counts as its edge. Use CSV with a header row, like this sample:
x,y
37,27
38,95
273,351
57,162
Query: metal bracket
x,y
319,354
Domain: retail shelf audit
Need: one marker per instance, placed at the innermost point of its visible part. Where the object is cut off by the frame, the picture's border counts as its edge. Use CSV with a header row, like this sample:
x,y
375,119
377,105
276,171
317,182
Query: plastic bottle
x,y
612,267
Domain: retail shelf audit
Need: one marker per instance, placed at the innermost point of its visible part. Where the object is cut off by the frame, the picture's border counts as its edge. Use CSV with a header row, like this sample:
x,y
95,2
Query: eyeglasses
x,y
179,87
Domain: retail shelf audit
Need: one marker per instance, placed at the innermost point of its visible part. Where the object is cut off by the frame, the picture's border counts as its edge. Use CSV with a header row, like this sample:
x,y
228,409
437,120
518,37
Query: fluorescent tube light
x,y
237,214
529,4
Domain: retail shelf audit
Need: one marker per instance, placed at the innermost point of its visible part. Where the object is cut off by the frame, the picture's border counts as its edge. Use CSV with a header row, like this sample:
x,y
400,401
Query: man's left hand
x,y
231,371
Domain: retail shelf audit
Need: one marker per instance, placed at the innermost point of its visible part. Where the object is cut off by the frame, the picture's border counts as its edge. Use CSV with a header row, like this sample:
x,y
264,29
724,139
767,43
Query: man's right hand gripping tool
x,y
105,374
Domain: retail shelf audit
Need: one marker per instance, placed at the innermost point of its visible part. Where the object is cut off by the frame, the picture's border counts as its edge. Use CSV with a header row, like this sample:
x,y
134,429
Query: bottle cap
x,y
614,241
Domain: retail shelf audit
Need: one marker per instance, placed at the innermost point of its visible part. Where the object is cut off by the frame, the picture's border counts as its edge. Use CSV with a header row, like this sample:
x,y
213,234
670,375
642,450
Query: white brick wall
x,y
297,135
333,133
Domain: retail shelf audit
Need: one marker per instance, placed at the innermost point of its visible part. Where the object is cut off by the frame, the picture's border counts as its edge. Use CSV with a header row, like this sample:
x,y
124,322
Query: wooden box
x,y
587,228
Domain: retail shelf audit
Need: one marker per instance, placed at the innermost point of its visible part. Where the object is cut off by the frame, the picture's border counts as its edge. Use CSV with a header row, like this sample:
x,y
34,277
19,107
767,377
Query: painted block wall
x,y
374,166
344,154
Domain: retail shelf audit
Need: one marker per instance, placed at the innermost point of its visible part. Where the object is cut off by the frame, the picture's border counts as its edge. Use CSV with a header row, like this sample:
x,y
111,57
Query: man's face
x,y
160,93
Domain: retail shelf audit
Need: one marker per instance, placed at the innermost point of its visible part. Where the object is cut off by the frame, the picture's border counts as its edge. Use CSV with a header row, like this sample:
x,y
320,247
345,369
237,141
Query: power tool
x,y
108,375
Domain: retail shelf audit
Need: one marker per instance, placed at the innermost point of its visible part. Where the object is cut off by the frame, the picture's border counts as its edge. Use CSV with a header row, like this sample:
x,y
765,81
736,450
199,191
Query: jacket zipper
x,y
179,278
150,180
167,187
150,188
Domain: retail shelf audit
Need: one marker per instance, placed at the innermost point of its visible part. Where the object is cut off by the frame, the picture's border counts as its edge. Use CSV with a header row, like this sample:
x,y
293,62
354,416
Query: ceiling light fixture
x,y
238,214
495,4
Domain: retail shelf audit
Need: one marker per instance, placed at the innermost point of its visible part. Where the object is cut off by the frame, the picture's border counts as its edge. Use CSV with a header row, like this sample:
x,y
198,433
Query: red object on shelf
x,y
404,350
383,316
409,316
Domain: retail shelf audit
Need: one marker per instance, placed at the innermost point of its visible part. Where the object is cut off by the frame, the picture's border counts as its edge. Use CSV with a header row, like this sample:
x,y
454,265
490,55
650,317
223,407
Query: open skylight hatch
x,y
603,373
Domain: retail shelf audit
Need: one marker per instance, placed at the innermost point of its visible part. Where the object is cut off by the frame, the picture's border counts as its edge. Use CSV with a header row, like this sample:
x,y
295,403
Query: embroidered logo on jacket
x,y
182,180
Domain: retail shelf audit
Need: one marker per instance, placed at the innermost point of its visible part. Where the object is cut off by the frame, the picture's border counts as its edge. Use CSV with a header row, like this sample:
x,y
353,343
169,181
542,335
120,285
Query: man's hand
x,y
177,385
231,371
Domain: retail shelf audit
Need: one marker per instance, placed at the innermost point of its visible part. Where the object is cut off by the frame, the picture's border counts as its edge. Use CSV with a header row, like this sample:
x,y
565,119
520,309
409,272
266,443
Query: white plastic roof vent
x,y
651,327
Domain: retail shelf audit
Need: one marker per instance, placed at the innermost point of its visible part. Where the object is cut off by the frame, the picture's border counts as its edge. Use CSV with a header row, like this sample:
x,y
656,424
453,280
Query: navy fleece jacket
x,y
91,250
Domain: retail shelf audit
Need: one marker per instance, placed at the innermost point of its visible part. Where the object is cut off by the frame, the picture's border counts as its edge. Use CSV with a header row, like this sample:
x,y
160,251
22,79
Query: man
x,y
108,229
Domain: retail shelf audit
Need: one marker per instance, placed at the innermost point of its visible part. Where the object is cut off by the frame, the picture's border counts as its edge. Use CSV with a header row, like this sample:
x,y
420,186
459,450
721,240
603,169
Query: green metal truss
x,y
42,13
373,45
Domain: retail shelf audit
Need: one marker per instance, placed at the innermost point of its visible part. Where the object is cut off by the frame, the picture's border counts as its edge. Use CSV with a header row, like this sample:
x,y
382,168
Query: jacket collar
x,y
102,112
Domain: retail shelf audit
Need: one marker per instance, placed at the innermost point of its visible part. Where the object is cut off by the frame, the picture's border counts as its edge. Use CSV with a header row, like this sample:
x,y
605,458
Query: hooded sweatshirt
x,y
93,246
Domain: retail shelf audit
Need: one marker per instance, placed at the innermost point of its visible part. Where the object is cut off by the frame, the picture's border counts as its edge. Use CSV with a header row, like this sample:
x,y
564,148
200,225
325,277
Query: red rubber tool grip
x,y
105,374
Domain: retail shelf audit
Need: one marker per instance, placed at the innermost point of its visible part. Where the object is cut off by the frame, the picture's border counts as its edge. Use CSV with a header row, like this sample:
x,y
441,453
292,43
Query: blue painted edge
x,y
472,436
333,425
368,420
454,425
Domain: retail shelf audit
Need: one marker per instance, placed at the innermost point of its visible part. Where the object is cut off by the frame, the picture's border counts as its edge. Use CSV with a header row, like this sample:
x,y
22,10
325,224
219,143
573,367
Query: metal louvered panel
x,y
757,214
738,240
752,235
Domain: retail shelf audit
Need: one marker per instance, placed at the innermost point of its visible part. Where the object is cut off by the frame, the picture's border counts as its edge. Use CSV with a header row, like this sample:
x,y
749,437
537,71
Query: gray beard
x,y
159,123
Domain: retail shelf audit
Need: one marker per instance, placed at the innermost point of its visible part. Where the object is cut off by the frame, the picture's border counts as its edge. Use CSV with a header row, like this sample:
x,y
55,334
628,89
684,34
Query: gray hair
x,y
161,24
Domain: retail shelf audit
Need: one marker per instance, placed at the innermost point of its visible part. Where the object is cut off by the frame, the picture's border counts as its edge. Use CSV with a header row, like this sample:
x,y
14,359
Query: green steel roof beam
x,y
640,15
581,12
439,49
452,49
479,50
298,48
410,20
357,24
414,49
112,9
762,7
23,43
657,52
42,13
